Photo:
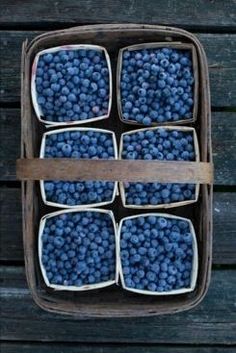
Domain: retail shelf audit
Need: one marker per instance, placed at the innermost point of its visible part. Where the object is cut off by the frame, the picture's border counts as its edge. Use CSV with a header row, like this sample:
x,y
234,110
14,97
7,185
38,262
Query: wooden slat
x,y
10,142
224,145
220,50
215,14
224,226
212,322
11,225
108,348
224,247
114,170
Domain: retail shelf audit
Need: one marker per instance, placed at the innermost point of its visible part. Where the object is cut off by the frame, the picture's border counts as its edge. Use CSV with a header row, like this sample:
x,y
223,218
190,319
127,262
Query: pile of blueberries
x,y
156,85
72,85
158,144
78,248
156,253
79,144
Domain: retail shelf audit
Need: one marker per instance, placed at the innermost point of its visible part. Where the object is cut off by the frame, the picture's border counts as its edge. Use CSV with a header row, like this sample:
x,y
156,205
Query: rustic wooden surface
x,y
102,348
107,348
211,326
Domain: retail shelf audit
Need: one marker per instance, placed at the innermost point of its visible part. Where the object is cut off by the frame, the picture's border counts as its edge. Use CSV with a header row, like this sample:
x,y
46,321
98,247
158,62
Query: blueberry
x,y
162,222
151,276
66,149
155,267
48,57
152,252
72,97
59,242
41,100
129,283
147,121
49,186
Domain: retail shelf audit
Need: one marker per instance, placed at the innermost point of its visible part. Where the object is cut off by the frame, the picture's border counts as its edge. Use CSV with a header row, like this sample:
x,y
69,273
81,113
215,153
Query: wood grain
x,y
187,14
224,145
44,347
224,245
114,170
220,50
212,322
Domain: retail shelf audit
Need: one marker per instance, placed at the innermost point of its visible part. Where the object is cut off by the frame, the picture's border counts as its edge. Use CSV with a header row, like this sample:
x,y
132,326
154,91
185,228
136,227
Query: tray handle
x,y
114,170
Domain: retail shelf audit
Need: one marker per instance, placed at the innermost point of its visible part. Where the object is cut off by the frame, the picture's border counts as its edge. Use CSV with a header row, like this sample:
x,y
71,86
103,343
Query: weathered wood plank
x,y
107,348
224,225
11,225
224,248
10,130
213,13
220,49
8,170
212,322
116,170
224,145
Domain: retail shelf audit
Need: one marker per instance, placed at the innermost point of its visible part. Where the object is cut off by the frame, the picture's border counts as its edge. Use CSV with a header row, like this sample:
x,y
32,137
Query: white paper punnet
x,y
159,45
194,271
40,247
34,94
197,159
42,155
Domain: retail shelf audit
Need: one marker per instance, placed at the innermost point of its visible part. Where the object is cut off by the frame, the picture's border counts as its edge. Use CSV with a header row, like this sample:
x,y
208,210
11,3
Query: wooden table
x,y
211,327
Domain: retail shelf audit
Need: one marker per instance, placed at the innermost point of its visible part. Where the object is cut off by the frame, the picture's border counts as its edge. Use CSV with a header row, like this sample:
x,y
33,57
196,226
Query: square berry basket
x,y
114,301
67,48
194,269
42,155
178,46
85,287
197,159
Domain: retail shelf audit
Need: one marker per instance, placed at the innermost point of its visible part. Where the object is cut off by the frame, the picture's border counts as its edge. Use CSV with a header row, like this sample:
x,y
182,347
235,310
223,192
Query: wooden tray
x,y
113,301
